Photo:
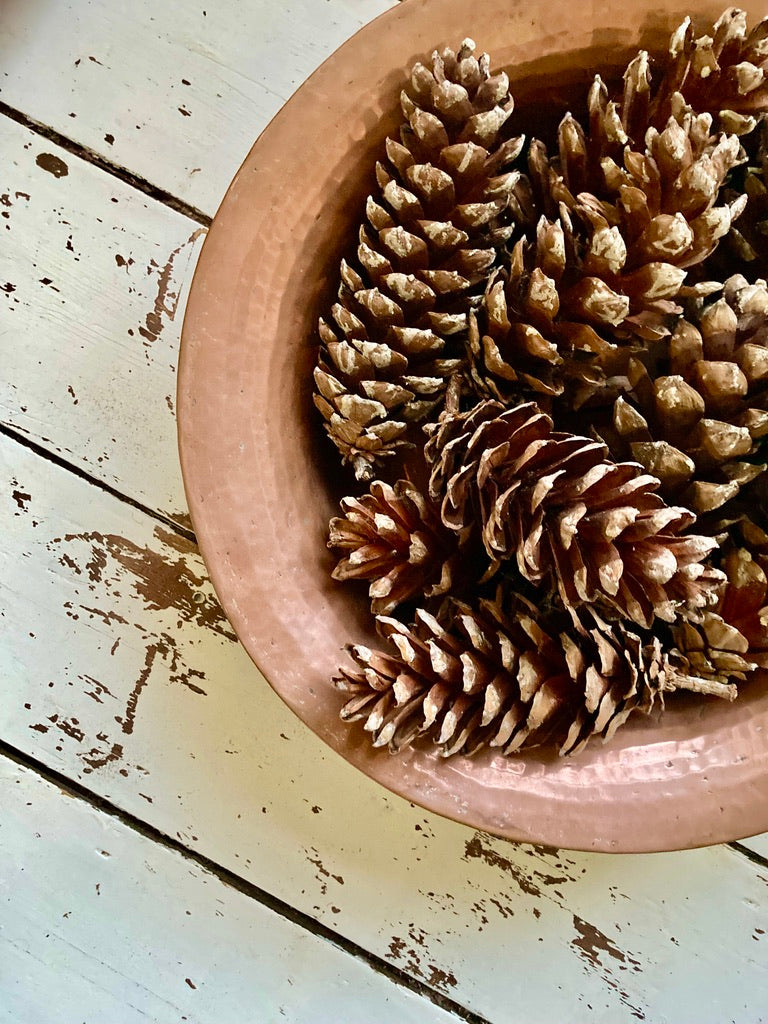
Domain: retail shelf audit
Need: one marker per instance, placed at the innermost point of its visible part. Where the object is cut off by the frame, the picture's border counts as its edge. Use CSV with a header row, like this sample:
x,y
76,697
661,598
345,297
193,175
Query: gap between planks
x,y
115,170
153,192
14,434
76,790
86,794
752,855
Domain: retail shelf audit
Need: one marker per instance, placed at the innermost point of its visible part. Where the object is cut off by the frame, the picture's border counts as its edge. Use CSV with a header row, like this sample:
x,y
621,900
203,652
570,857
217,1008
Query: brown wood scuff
x,y
408,957
164,581
590,943
166,301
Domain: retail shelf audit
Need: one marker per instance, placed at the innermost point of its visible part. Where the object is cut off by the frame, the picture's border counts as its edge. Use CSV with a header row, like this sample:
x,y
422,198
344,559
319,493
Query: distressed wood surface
x,y
100,923
120,672
758,845
125,677
174,91
93,281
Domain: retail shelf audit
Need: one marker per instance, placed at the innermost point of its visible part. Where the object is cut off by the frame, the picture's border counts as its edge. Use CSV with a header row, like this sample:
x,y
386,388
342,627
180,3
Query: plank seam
x,y
745,851
229,878
115,170
13,434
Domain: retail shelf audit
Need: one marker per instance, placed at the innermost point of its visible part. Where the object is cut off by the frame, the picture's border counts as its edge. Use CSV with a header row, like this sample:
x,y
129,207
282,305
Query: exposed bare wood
x,y
124,676
93,281
174,92
133,932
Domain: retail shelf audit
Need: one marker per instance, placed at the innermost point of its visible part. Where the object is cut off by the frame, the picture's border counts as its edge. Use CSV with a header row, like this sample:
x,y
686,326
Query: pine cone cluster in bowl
x,y
547,364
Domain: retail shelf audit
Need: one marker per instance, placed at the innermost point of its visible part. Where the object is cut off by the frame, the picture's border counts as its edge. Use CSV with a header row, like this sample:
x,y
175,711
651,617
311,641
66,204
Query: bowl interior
x,y
262,480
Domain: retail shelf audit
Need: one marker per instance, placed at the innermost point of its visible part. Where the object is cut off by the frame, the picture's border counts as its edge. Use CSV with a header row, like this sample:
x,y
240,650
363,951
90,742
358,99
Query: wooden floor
x,y
174,844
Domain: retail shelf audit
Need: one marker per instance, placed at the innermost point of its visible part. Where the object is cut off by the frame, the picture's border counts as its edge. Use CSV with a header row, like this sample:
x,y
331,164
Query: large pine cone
x,y
695,419
730,641
506,680
722,73
745,248
394,538
608,260
565,514
447,199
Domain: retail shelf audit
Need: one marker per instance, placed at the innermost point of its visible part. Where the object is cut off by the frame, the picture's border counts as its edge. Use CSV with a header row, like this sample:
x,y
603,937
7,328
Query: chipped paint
x,y
322,872
52,164
592,942
411,957
21,498
475,849
166,301
161,582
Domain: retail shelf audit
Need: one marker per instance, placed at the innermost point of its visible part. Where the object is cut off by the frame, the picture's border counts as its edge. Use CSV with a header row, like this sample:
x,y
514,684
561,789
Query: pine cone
x,y
608,260
723,74
730,641
696,423
505,681
745,248
447,200
394,537
567,515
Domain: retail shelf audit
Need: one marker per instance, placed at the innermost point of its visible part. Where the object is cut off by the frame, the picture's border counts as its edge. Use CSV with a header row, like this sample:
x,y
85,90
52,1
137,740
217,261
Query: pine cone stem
x,y
695,684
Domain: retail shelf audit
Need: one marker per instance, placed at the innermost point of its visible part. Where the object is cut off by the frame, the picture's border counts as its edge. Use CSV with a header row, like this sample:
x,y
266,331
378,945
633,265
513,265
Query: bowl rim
x,y
623,803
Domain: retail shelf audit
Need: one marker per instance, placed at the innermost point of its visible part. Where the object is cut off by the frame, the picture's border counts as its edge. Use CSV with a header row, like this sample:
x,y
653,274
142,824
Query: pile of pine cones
x,y
566,355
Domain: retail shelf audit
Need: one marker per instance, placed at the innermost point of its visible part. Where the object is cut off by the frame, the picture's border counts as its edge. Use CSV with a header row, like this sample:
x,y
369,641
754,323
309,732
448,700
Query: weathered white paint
x,y
111,650
100,924
758,844
93,281
175,91
118,670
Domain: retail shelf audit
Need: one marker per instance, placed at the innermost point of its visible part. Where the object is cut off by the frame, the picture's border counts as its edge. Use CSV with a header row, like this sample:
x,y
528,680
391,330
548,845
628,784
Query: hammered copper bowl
x,y
262,483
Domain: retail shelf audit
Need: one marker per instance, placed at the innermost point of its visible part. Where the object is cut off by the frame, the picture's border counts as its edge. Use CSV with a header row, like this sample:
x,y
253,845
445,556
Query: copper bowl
x,y
262,483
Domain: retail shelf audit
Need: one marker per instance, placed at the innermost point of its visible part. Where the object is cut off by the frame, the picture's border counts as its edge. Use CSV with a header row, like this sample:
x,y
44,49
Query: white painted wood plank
x,y
176,92
93,282
100,923
758,844
118,671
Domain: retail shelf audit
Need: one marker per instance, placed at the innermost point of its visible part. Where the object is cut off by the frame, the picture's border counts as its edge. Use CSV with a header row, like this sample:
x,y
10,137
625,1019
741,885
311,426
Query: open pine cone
x,y
594,390
731,640
697,423
506,680
610,254
394,538
447,200
722,73
559,509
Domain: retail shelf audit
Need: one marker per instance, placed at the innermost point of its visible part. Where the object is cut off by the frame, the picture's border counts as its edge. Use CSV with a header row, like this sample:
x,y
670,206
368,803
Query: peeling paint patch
x,y
411,959
474,849
52,164
166,301
21,498
162,582
592,942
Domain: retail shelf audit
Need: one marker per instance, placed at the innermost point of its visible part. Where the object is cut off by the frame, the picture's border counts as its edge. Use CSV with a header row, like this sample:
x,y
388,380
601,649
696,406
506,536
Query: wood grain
x,y
93,282
123,675
175,92
120,671
99,923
